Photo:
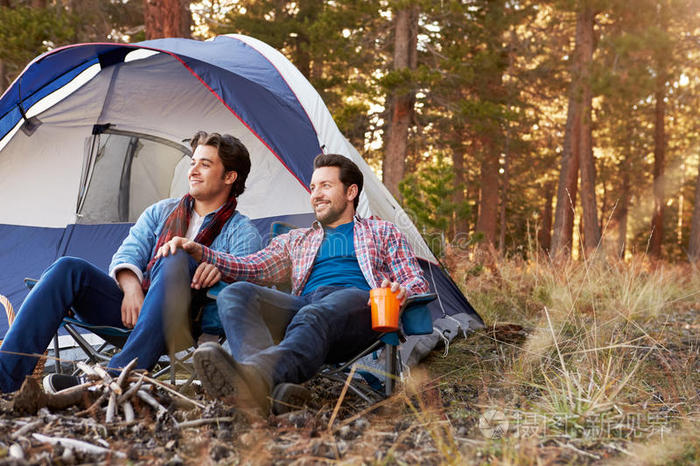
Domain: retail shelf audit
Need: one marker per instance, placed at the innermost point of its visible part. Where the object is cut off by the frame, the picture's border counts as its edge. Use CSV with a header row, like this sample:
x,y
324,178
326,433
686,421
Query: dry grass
x,y
609,367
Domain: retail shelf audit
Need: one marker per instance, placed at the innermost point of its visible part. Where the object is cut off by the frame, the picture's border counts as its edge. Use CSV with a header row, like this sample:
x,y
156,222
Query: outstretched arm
x,y
265,267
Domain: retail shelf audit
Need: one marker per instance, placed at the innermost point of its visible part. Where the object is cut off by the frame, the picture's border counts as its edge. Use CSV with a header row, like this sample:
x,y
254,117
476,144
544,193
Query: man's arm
x,y
265,267
136,249
133,296
403,264
241,238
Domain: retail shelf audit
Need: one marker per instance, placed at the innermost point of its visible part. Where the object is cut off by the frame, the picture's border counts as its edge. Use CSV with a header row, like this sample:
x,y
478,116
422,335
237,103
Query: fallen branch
x,y
201,422
79,445
173,392
26,428
151,401
125,373
111,408
128,411
126,396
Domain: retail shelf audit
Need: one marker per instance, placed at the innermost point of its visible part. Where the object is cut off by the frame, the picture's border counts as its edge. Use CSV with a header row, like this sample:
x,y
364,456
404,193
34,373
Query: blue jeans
x,y
96,299
288,338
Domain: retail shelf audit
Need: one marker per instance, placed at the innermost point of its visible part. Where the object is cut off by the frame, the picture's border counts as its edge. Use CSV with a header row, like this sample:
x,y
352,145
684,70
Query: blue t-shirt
x,y
336,263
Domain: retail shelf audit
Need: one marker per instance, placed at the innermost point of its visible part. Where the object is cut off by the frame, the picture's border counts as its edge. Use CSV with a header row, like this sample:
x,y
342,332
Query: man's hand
x,y
133,297
395,286
205,276
178,242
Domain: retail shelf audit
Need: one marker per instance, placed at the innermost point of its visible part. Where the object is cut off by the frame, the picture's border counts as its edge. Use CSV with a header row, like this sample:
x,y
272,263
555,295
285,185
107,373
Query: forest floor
x,y
593,363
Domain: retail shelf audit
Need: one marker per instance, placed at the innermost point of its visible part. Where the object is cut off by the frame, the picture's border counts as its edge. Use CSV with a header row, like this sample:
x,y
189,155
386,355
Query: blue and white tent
x,y
91,134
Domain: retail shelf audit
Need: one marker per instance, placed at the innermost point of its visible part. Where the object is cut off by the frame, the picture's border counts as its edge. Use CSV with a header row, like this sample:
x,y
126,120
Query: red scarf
x,y
179,220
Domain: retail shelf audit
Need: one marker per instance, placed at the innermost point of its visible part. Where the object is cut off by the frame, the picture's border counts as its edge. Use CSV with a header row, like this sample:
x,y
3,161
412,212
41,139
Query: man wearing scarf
x,y
151,296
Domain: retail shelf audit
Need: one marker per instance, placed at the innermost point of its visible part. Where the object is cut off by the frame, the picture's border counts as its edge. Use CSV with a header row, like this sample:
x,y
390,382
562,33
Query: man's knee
x,y
179,259
231,298
173,266
347,300
67,264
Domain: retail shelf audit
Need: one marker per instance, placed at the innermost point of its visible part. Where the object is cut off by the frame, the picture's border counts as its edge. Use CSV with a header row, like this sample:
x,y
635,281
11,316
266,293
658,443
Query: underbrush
x,y
581,362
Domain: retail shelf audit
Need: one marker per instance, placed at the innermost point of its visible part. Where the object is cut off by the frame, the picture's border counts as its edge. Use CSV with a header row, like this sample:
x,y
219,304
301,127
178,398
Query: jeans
x,y
288,338
96,299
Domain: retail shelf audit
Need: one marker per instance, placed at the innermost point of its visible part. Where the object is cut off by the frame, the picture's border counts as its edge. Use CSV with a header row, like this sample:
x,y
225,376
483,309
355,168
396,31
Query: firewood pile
x,y
108,399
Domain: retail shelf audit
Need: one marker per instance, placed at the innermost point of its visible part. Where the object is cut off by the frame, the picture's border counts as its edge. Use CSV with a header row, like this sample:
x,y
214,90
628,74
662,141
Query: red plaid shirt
x,y
382,252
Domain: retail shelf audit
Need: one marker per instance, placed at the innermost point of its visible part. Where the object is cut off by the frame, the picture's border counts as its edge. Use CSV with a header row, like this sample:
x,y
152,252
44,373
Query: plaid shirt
x,y
382,252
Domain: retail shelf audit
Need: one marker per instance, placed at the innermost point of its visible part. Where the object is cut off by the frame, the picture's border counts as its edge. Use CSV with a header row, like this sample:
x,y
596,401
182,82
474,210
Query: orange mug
x,y
385,310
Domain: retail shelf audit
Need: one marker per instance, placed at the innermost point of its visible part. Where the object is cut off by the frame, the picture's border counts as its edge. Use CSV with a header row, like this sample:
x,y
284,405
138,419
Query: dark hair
x,y
349,172
233,155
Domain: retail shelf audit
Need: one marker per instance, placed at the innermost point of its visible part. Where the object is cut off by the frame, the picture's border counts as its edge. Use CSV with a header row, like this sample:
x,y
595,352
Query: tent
x,y
91,134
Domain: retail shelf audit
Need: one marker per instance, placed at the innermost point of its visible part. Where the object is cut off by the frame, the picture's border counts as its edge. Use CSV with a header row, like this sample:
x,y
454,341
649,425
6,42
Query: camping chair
x,y
113,337
415,319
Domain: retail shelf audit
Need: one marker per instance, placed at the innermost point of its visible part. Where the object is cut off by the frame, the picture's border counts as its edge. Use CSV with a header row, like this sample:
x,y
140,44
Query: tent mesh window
x,y
125,172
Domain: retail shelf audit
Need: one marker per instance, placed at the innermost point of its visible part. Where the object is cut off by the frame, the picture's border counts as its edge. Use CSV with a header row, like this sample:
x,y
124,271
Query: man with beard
x,y
141,291
326,318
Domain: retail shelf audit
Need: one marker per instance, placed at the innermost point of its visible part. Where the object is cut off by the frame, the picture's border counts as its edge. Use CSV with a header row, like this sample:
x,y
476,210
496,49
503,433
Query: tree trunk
x,y
591,227
623,210
504,198
544,235
3,84
459,198
400,105
657,220
563,232
694,243
167,18
488,197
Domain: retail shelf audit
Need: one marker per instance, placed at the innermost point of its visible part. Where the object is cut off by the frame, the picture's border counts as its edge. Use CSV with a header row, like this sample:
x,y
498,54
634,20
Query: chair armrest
x,y
424,298
416,318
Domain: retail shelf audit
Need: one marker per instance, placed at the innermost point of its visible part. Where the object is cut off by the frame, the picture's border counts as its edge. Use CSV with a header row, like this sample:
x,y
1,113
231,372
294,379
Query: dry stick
x,y
126,396
111,407
75,388
93,406
125,372
151,401
108,380
128,411
85,447
173,392
342,396
201,422
26,428
87,370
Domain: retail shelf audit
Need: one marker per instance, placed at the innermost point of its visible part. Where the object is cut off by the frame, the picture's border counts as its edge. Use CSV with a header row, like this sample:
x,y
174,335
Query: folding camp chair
x,y
113,337
415,319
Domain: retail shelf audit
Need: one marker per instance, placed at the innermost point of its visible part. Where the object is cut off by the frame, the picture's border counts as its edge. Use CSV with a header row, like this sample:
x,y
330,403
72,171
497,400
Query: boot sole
x,y
221,377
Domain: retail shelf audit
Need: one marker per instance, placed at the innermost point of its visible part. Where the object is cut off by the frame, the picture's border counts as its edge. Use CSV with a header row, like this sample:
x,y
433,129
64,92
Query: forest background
x,y
569,124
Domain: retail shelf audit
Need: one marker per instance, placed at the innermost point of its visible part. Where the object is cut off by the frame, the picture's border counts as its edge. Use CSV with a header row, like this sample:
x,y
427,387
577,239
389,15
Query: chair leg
x,y
392,369
93,355
57,354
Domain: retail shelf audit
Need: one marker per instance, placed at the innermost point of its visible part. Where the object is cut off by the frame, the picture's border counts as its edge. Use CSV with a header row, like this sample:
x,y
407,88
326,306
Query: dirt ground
x,y
442,415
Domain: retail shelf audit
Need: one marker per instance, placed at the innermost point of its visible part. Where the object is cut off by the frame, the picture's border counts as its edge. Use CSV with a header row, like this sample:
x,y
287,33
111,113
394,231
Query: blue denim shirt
x,y
238,236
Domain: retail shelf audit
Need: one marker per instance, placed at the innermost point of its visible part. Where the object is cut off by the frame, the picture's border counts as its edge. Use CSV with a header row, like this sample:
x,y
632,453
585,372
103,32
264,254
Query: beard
x,y
330,215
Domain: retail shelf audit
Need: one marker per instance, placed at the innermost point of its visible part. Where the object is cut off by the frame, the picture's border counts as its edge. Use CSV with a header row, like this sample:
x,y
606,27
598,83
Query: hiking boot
x,y
56,382
288,397
225,379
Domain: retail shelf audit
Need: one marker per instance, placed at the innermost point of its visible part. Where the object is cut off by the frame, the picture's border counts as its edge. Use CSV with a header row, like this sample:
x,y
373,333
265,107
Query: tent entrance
x,y
124,172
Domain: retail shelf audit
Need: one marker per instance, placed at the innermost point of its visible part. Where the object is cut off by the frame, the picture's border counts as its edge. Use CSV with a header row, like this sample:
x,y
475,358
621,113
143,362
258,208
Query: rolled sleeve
x,y
127,266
